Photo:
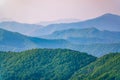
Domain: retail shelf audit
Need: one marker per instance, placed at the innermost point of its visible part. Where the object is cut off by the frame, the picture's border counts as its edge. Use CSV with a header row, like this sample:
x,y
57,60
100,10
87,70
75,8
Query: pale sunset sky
x,y
34,11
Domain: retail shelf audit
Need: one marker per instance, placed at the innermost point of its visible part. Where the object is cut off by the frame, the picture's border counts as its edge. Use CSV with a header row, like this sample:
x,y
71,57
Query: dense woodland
x,y
42,64
58,64
104,68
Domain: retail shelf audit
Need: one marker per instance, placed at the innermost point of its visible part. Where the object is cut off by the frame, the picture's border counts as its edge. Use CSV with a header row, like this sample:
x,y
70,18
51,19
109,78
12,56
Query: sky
x,y
34,11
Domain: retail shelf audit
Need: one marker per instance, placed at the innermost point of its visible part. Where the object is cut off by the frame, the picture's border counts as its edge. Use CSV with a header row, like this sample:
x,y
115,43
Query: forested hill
x,y
104,68
42,64
58,64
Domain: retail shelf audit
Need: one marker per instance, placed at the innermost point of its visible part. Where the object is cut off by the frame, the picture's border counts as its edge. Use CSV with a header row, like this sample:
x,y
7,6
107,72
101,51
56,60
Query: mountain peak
x,y
109,15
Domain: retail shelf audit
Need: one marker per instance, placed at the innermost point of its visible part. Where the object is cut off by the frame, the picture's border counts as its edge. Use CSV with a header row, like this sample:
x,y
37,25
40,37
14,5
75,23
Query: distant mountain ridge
x,y
22,28
109,22
86,36
12,41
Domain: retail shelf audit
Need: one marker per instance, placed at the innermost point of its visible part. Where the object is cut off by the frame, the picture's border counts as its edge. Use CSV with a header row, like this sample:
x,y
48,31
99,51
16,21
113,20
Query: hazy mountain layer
x,y
22,28
109,22
11,41
86,36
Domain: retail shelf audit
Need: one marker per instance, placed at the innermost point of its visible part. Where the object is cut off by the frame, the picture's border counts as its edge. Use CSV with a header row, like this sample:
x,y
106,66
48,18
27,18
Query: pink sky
x,y
34,11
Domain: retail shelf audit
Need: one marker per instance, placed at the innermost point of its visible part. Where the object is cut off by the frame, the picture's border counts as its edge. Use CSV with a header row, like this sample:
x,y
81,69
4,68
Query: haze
x,y
34,11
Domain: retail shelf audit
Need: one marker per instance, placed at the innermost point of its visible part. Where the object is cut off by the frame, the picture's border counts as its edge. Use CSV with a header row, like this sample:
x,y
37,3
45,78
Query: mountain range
x,y
22,28
85,36
95,36
85,50
12,41
108,21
